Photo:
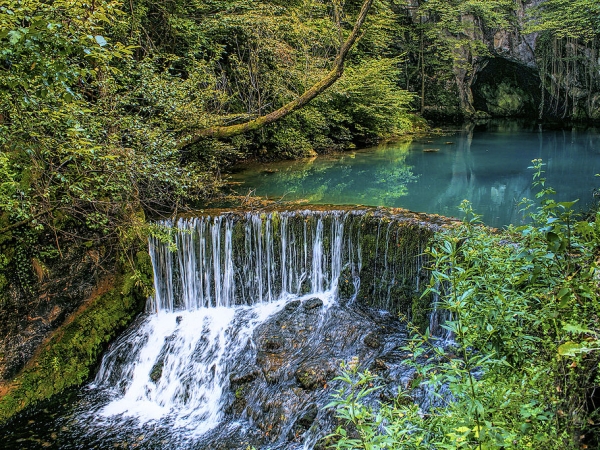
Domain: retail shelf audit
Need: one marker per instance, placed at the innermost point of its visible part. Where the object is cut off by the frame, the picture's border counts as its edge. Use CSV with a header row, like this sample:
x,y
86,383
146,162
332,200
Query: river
x,y
486,164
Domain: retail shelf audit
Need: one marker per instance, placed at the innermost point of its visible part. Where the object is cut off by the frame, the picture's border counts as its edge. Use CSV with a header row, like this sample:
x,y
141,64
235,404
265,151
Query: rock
x,y
371,340
273,344
244,377
312,303
378,365
306,419
293,305
157,369
271,365
315,374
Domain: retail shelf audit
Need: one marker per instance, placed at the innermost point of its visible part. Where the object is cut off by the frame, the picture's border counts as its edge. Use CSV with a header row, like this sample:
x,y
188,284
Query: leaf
x,y
14,36
576,329
563,292
569,349
567,205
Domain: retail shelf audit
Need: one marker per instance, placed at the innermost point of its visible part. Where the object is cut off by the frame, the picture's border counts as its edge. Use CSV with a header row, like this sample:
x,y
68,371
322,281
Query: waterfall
x,y
246,259
175,367
222,279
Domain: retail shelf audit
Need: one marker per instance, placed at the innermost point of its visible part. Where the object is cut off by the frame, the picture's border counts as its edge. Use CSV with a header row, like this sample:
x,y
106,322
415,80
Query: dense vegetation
x,y
521,367
98,102
103,104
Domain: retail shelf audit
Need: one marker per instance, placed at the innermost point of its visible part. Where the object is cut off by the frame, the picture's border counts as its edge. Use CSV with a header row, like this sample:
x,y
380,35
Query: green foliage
x,y
450,15
365,427
364,106
578,19
523,316
566,54
443,40
77,161
93,100
505,99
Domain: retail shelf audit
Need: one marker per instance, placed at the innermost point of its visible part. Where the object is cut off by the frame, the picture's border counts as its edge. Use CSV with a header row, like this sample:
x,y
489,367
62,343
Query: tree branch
x,y
334,74
26,221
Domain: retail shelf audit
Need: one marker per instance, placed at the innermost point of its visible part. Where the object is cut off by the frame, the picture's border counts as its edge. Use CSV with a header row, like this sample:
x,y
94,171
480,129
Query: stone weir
x,y
373,256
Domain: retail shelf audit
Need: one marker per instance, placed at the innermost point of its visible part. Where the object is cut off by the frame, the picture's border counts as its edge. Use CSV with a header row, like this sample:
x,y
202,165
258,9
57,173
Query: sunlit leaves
x,y
522,312
578,19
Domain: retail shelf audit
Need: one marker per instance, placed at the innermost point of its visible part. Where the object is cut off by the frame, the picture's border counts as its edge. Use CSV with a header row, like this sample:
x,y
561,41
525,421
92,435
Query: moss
x,y
390,268
239,393
70,356
420,311
505,99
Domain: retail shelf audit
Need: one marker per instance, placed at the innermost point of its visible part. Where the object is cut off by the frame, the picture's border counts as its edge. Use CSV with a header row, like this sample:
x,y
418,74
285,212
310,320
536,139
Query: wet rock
x,y
244,377
372,340
273,344
284,377
312,303
308,416
157,369
271,365
315,374
240,401
293,305
378,365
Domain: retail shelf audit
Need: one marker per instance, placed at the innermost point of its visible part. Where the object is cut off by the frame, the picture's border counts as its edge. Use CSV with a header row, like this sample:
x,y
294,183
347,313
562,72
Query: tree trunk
x,y
334,74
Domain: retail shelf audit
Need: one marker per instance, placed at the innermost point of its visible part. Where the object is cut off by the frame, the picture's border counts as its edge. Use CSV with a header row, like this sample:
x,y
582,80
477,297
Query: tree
x,y
447,41
567,55
334,74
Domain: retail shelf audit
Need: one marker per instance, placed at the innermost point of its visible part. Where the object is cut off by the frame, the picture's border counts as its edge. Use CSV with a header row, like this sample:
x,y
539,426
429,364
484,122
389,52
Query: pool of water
x,y
486,164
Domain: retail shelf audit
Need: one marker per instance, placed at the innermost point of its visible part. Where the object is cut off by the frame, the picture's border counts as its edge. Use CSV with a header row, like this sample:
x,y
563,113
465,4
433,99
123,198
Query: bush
x,y
524,321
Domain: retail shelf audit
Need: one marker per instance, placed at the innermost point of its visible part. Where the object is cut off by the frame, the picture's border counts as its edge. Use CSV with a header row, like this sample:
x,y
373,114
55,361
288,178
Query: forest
x,y
117,114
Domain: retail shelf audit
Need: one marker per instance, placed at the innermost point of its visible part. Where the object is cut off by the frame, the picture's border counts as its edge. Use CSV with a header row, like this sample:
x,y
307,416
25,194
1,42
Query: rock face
x,y
519,76
27,316
255,314
294,379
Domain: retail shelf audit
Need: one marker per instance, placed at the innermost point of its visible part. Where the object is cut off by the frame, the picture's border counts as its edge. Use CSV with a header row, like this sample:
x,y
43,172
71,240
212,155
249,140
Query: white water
x,y
200,325
274,259
198,349
210,297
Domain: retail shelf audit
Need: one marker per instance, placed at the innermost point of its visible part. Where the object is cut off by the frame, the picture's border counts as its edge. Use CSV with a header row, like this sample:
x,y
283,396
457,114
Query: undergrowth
x,y
521,366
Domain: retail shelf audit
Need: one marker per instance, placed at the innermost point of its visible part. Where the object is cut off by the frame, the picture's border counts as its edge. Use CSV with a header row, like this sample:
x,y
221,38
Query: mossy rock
x,y
505,99
73,352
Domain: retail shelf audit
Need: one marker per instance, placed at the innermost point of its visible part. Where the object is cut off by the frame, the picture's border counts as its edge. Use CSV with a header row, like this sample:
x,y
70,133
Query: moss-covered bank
x,y
73,351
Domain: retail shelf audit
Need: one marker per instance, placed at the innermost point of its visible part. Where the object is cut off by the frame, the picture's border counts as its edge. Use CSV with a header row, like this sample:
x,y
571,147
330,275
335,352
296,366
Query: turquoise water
x,y
486,164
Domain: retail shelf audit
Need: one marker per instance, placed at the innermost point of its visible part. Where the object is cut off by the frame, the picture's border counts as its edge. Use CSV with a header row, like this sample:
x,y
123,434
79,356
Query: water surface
x,y
485,164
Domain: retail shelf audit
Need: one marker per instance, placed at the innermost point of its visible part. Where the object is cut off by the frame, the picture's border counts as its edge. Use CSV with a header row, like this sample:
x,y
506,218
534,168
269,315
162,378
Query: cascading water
x,y
251,317
267,257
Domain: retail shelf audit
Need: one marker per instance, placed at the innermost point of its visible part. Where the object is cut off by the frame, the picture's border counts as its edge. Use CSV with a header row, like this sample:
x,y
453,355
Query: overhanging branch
x,y
332,76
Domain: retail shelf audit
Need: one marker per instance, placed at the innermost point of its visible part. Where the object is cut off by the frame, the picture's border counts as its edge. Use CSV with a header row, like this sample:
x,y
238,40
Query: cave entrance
x,y
507,89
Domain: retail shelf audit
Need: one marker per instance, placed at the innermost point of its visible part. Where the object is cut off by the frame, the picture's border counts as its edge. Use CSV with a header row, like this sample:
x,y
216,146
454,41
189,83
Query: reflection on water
x,y
486,164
